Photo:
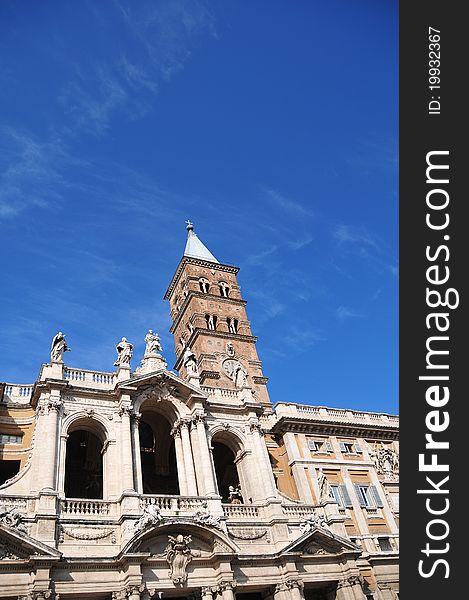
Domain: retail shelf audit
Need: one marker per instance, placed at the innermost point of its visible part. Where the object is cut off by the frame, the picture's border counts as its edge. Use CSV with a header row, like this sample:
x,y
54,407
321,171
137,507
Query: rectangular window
x,y
320,446
368,496
341,496
384,544
6,438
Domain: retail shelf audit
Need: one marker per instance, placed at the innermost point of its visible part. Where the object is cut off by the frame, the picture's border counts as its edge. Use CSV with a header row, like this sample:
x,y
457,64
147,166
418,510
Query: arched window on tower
x,y
224,289
204,285
211,322
232,325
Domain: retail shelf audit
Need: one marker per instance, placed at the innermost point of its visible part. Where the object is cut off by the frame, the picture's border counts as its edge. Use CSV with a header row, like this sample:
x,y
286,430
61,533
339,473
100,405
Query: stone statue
x,y
58,347
240,376
230,350
178,555
325,491
312,521
386,461
189,361
153,345
151,516
11,516
124,353
234,496
204,517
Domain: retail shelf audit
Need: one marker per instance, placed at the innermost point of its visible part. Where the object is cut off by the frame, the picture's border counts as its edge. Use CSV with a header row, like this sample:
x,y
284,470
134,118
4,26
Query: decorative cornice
x,y
196,261
329,427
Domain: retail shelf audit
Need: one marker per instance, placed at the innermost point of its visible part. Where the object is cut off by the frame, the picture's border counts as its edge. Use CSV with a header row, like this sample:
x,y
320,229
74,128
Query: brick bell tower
x,y
209,320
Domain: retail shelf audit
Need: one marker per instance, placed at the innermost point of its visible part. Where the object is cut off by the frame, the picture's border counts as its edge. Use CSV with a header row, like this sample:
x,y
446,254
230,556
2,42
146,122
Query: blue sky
x,y
271,125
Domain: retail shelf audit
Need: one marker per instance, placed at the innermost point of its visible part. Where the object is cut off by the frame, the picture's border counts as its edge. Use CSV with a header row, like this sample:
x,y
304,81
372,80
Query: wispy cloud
x,y
162,35
344,312
286,204
348,234
30,172
301,339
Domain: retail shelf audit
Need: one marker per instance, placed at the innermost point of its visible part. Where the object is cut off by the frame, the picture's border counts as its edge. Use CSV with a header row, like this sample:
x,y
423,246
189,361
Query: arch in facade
x,y
230,464
83,456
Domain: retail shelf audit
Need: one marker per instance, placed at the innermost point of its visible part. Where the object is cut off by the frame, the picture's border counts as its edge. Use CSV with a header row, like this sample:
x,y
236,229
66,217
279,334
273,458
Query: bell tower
x,y
209,322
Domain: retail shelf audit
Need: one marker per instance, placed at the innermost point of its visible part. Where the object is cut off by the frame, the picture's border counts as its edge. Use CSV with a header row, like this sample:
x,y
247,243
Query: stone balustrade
x,y
18,393
173,504
92,379
289,409
241,511
88,508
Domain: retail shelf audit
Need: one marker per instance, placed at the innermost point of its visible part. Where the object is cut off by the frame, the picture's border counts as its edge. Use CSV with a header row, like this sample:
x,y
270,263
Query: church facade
x,y
140,483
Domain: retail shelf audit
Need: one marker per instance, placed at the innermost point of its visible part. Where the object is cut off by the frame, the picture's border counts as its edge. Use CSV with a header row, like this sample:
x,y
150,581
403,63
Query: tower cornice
x,y
201,263
194,294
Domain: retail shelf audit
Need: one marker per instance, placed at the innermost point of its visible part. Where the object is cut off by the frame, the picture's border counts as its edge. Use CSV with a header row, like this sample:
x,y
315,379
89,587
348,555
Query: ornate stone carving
x,y
89,534
58,347
223,586
288,585
230,349
11,517
247,533
386,461
6,552
204,517
124,353
314,548
312,521
151,516
179,555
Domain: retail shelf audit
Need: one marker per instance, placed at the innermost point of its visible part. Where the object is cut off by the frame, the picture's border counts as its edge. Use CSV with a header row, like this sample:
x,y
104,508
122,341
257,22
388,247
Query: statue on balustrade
x,y
234,496
58,347
153,345
124,353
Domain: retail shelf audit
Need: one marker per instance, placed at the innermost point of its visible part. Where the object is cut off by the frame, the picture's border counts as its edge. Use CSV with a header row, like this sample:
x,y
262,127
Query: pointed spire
x,y
195,248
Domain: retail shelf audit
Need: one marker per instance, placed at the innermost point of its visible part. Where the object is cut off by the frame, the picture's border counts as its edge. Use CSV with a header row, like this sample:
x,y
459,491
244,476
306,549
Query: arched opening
x,y
225,470
83,465
157,455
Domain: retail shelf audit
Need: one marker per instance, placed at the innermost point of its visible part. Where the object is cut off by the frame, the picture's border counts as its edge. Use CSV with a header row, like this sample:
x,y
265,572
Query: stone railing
x,y
221,393
286,409
173,504
298,512
241,511
18,393
78,507
85,378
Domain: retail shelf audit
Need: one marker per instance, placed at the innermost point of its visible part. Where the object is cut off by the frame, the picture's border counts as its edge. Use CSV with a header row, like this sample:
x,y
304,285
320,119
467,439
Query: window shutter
x,y
328,447
345,495
312,445
343,447
360,496
358,449
376,496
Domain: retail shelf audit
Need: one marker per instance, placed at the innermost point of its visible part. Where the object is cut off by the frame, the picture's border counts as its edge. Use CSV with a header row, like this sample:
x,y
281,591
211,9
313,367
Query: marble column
x,y
46,447
181,469
138,483
199,472
299,473
188,460
126,450
209,479
263,462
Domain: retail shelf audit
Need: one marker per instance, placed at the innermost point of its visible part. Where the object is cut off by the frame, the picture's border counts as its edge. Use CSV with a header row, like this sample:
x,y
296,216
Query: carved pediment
x,y
160,385
320,542
17,545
